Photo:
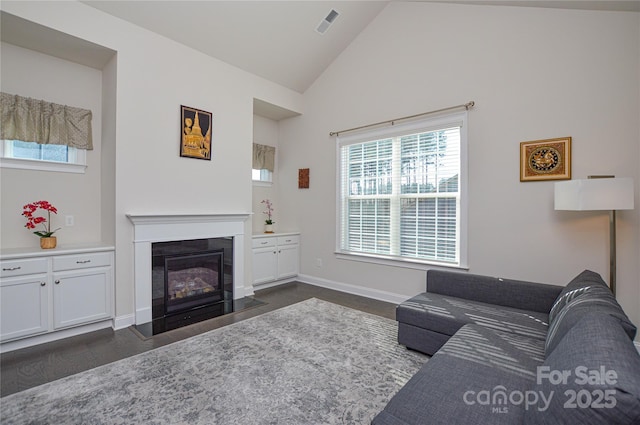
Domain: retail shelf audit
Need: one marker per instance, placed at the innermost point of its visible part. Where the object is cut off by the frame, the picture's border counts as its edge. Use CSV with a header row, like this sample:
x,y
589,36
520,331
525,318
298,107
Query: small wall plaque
x,y
303,178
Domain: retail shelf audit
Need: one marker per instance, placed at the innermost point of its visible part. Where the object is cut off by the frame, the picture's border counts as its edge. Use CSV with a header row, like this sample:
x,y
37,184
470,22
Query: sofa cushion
x,y
446,315
493,290
579,285
587,293
420,339
598,348
452,386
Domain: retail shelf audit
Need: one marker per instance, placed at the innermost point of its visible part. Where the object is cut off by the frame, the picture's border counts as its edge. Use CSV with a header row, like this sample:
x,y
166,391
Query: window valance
x,y
263,157
33,120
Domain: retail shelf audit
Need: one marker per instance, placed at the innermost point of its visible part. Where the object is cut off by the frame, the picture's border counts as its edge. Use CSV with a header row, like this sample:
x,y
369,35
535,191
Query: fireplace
x,y
228,230
191,281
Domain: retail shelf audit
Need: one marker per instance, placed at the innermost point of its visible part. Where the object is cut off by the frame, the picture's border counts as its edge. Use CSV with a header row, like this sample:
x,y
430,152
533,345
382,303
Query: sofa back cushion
x,y
519,294
585,294
592,377
579,285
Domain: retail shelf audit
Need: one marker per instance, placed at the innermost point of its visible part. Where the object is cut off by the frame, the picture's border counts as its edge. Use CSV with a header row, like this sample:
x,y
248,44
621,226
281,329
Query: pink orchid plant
x,y
268,211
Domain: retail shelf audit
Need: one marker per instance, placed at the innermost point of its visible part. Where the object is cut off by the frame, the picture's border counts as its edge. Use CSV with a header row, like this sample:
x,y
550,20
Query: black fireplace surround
x,y
192,280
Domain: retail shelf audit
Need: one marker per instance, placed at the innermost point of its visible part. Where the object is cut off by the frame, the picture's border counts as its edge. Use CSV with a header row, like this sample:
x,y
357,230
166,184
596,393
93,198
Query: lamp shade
x,y
594,194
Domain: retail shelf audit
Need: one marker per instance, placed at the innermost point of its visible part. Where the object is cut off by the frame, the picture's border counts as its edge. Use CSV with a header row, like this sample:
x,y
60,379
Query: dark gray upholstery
x,y
493,290
585,294
445,315
597,342
592,301
491,335
476,359
585,281
451,301
420,339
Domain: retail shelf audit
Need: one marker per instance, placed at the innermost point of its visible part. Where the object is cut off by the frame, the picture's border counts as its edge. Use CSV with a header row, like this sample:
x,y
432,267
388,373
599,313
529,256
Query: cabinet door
x,y
25,307
264,265
288,260
81,297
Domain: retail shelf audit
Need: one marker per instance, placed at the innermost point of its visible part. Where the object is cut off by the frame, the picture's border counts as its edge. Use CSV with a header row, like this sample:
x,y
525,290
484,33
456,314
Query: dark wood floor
x,y
33,366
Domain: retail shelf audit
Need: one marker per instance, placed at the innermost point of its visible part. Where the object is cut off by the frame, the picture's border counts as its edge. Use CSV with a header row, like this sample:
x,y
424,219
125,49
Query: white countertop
x,y
270,235
33,252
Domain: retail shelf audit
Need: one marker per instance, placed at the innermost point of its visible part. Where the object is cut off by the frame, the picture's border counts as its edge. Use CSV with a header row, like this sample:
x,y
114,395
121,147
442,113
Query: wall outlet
x,y
318,262
69,220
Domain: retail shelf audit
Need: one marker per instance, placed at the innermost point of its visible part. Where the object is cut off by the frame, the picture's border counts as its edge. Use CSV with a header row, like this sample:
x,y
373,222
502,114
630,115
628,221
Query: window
x,y
401,192
263,175
36,156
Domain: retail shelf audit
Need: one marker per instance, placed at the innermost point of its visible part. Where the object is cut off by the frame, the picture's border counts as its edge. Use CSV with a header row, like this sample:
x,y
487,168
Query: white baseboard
x,y
124,321
272,284
375,294
637,344
53,336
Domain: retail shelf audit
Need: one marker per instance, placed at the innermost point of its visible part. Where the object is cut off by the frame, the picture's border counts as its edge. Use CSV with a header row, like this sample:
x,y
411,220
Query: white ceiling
x,y
272,39
276,40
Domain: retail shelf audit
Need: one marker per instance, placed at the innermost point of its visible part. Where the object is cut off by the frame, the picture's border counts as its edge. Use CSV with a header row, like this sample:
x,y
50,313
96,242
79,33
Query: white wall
x,y
534,74
108,157
265,132
154,77
39,76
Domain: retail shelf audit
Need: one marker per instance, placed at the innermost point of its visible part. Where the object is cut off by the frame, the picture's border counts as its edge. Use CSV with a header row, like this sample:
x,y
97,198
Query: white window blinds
x,y
400,191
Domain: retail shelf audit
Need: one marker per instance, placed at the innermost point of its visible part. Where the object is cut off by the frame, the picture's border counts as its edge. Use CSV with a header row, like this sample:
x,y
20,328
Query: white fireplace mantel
x,y
150,228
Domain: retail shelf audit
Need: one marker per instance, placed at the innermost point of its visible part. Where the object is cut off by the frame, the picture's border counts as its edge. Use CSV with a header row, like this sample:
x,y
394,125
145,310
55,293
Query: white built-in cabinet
x,y
51,294
276,257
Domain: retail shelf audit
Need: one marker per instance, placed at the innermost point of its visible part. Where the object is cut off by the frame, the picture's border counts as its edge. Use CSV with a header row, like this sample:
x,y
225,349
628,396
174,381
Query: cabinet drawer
x,y
288,240
22,267
264,242
81,261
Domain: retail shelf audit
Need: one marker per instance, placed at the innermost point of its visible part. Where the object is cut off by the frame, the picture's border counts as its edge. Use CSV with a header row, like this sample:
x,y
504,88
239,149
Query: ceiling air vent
x,y
327,21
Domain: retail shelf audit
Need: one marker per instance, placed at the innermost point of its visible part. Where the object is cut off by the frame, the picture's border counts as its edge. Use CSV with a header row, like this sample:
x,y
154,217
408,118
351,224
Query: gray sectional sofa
x,y
513,352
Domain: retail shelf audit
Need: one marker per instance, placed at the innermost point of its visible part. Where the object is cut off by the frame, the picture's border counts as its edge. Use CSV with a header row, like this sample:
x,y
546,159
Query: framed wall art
x,y
195,141
545,159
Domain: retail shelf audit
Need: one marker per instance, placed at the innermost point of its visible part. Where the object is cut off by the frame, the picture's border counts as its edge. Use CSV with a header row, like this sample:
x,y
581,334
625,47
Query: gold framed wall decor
x,y
548,159
195,141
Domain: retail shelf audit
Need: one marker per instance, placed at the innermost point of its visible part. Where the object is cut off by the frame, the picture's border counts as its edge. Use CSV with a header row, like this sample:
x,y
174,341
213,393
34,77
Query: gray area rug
x,y
309,363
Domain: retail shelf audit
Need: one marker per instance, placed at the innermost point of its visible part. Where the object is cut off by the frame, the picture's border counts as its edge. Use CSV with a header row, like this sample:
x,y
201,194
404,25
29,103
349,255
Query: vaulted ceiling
x,y
277,40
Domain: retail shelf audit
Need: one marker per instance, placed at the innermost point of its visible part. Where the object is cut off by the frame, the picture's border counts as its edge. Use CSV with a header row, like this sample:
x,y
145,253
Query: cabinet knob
x,y
43,283
83,262
57,282
274,252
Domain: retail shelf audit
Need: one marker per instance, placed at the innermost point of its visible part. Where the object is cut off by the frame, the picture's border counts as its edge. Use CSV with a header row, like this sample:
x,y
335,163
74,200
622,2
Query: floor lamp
x,y
598,193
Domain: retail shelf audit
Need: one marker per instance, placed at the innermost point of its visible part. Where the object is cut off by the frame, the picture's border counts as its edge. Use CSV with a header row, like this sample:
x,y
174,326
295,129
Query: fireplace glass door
x,y
193,280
